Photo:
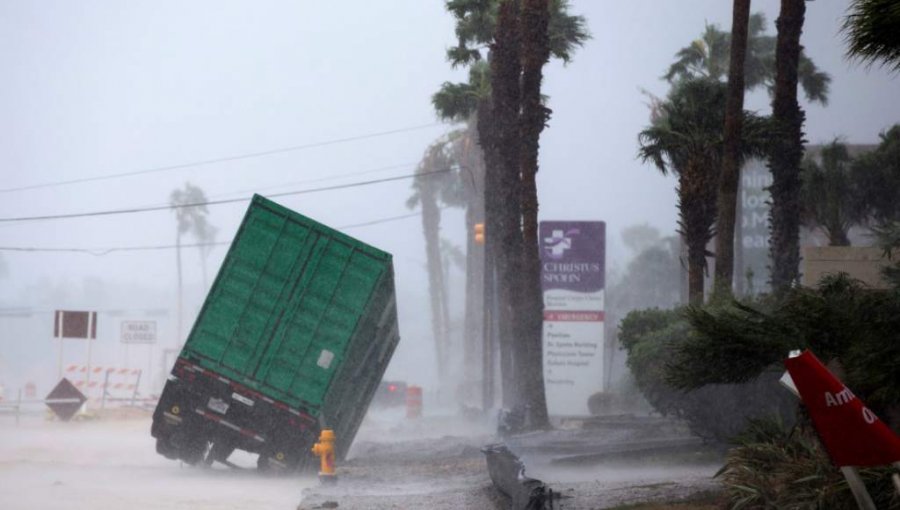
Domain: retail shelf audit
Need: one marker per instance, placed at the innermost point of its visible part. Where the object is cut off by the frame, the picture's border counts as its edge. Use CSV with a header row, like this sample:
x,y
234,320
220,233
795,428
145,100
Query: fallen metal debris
x,y
508,475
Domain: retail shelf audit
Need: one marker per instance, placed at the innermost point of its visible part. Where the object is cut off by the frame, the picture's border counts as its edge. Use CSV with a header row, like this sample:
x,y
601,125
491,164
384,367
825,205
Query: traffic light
x,y
479,233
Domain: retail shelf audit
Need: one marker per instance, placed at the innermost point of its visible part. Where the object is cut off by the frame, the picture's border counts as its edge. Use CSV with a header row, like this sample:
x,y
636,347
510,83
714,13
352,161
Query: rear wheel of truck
x,y
165,449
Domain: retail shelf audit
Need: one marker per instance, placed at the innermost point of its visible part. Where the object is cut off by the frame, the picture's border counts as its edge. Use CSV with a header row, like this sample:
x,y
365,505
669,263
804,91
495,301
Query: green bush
x,y
853,329
714,412
772,466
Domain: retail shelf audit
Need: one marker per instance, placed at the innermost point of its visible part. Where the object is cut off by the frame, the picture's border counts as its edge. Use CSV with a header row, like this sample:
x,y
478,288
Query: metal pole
x,y
105,385
87,375
59,329
136,384
860,494
18,406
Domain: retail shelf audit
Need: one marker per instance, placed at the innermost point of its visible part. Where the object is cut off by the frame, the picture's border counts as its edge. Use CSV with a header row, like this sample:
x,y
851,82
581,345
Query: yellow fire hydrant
x,y
324,449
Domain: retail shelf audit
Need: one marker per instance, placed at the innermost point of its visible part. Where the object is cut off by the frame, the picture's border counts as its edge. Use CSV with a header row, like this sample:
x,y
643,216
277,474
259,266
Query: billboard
x,y
573,278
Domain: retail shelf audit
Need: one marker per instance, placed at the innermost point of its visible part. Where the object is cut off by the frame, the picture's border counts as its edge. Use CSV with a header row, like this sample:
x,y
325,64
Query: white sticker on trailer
x,y
217,405
325,359
242,399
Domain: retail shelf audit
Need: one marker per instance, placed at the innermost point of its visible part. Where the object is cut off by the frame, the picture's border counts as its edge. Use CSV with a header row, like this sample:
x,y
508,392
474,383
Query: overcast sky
x,y
93,88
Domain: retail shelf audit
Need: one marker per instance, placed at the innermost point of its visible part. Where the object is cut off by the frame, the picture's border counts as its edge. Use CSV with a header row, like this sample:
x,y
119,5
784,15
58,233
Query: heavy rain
x,y
545,254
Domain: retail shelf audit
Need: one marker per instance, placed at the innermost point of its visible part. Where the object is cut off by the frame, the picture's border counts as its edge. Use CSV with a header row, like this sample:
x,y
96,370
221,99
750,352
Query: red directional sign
x,y
65,400
852,434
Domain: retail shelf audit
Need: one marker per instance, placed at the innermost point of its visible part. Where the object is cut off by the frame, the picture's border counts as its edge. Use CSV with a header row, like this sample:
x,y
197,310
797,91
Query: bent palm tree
x,y
429,191
709,57
476,27
191,216
687,140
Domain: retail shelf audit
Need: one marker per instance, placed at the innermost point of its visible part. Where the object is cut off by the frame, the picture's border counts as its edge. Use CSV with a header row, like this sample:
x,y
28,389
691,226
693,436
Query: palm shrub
x,y
715,412
855,330
773,466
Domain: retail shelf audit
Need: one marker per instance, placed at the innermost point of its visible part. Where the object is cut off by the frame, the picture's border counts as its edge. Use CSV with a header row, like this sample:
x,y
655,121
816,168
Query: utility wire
x,y
317,179
224,159
99,252
219,202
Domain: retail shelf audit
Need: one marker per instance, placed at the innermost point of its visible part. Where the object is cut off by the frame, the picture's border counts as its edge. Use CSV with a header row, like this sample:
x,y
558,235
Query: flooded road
x,y
113,465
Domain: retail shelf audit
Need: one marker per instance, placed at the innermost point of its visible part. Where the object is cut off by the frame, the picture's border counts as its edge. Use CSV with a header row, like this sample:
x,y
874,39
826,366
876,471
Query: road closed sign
x,y
138,332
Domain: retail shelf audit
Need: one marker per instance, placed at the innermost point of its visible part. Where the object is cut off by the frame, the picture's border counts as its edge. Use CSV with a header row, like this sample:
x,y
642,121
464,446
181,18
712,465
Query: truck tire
x,y
165,449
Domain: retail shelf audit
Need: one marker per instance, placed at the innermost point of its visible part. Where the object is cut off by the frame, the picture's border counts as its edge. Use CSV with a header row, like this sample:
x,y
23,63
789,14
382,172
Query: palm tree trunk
x,y
505,75
731,171
696,268
430,226
697,193
494,342
787,150
535,53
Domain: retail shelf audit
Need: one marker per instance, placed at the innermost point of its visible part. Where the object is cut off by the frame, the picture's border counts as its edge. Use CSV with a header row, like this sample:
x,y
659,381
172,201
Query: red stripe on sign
x,y
578,316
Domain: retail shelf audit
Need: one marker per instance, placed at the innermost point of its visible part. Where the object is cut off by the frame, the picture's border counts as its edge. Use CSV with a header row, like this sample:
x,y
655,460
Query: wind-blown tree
x,y
191,217
473,102
830,197
872,28
434,187
731,171
877,174
787,149
710,56
534,23
687,140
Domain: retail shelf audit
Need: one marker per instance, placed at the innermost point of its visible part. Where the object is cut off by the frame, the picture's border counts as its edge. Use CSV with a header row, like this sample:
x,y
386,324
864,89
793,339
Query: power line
x,y
219,202
223,159
99,252
318,179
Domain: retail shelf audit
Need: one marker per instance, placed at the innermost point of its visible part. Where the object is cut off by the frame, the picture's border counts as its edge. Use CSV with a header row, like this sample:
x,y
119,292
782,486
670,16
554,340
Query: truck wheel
x,y
164,448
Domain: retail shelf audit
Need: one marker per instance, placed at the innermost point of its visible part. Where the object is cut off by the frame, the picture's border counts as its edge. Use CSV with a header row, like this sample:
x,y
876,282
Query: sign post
x,y
850,431
573,280
69,324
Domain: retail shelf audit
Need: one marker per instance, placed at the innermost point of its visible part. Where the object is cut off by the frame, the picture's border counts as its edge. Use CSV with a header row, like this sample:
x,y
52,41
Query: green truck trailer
x,y
294,336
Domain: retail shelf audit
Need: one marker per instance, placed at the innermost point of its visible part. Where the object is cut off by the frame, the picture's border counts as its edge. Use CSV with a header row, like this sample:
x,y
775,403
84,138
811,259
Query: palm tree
x,y
534,23
687,139
731,172
877,174
429,190
709,57
191,216
872,29
830,198
787,149
473,102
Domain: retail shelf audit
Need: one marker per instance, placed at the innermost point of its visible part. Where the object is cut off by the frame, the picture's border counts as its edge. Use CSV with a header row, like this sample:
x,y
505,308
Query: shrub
x,y
772,466
714,412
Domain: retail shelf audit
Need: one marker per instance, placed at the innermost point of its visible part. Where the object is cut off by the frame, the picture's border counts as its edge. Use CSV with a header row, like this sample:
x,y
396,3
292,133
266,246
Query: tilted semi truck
x,y
294,337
